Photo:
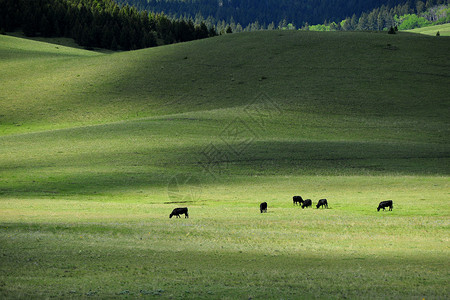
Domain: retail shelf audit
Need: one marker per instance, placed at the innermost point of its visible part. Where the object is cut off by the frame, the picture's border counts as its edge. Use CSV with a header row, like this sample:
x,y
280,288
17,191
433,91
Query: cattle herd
x,y
297,200
308,202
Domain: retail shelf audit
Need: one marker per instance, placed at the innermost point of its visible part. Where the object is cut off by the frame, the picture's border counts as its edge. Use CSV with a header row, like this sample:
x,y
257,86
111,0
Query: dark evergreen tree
x,y
125,41
363,22
201,31
354,22
149,40
29,24
107,37
113,45
346,24
420,7
45,27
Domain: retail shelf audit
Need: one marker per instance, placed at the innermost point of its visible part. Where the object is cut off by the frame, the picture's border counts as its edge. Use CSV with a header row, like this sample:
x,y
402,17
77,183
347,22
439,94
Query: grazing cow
x,y
384,204
179,211
307,203
297,199
322,202
263,207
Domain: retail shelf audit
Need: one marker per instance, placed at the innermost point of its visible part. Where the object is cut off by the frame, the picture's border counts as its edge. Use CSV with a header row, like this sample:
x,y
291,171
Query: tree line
x,y
98,23
404,16
251,14
244,15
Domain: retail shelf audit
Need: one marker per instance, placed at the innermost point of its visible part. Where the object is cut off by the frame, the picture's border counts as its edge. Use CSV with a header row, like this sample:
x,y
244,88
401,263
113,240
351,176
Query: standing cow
x,y
179,211
263,207
384,204
297,199
322,202
307,203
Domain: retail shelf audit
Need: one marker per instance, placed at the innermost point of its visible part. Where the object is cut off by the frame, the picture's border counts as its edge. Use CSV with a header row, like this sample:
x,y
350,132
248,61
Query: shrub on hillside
x,y
411,21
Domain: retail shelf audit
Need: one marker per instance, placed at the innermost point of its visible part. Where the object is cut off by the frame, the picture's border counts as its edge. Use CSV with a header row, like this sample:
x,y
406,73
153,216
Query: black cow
x,y
263,207
307,203
179,211
297,199
322,202
384,204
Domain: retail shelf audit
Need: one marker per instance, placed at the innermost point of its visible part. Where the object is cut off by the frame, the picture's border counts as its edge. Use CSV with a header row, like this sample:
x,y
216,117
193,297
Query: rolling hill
x,y
96,149
300,103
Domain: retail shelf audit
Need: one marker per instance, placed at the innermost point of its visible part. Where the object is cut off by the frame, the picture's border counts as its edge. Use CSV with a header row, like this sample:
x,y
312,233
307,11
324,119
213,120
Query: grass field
x,y
96,149
444,30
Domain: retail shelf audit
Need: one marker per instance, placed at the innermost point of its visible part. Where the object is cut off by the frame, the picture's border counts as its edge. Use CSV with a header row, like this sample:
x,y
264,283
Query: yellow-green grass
x,y
444,30
109,246
97,149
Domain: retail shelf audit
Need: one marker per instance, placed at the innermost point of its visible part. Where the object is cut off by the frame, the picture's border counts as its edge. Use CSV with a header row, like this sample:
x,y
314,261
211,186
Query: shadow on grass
x,y
108,265
53,175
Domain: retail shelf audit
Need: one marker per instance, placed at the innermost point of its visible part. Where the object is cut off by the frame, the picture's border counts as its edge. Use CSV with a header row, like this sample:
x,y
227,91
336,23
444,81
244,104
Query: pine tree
x,y
372,20
107,37
113,45
419,7
380,21
44,27
354,22
346,24
124,41
363,22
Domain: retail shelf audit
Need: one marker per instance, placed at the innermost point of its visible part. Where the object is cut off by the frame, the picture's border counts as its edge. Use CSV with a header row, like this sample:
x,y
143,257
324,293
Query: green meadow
x,y
97,148
444,30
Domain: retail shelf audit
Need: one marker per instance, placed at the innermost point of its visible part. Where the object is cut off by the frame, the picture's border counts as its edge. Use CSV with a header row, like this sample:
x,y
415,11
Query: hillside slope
x,y
444,30
268,103
359,74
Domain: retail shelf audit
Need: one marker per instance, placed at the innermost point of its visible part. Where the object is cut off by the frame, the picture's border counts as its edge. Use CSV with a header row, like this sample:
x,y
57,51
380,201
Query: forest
x,y
97,23
246,15
265,12
403,17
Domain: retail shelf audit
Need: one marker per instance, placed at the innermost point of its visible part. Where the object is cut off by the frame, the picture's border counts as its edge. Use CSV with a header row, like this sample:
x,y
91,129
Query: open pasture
x,y
227,249
97,149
